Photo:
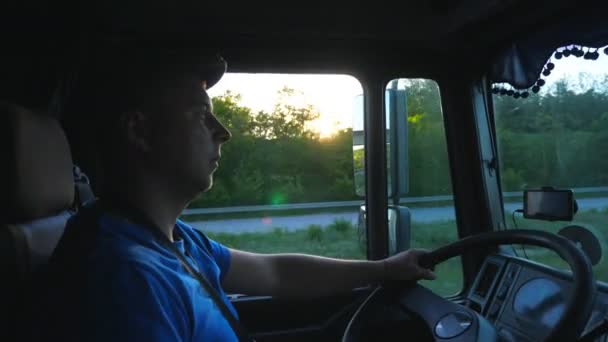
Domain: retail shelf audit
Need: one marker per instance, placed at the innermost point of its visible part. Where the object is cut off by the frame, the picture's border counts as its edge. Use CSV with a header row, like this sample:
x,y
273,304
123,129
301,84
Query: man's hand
x,y
405,266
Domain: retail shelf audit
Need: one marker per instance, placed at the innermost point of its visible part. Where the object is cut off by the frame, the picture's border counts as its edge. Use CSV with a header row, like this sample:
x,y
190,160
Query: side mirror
x,y
358,146
399,228
396,139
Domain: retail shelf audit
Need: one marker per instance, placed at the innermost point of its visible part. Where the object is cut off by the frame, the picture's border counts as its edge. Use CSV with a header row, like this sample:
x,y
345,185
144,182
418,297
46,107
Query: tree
x,y
276,157
558,137
286,121
555,137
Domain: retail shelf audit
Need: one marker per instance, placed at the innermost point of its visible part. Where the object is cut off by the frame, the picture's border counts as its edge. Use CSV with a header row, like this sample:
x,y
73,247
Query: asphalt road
x,y
296,222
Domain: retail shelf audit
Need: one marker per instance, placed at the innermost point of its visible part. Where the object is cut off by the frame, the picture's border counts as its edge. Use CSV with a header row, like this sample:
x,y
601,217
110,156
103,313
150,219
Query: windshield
x,y
285,180
558,138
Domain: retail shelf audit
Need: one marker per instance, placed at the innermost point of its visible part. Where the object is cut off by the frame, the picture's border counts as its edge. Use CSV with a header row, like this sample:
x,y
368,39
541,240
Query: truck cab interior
x,y
483,56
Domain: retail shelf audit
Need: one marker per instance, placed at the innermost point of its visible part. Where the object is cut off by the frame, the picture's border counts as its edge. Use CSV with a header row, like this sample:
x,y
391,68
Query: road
x,y
296,222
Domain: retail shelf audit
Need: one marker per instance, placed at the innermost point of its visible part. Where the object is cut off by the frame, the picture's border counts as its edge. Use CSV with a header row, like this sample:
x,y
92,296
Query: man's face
x,y
188,136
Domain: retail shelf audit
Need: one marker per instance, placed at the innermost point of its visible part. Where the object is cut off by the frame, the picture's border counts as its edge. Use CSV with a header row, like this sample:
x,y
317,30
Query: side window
x,y
558,137
423,172
285,181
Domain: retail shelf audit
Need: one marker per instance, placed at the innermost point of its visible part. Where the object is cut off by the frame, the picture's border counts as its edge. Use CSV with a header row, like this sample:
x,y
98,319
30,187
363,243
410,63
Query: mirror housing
x,y
399,228
397,143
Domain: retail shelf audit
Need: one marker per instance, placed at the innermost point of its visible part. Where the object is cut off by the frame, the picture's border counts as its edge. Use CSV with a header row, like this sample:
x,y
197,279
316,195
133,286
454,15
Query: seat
x,y
37,200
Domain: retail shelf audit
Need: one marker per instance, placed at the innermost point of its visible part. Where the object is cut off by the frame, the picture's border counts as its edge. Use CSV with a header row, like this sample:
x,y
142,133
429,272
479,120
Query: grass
x,y
332,241
342,240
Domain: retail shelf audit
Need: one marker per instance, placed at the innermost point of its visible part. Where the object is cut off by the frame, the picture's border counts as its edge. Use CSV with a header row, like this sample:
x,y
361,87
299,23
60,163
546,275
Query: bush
x,y
278,231
314,232
341,226
512,180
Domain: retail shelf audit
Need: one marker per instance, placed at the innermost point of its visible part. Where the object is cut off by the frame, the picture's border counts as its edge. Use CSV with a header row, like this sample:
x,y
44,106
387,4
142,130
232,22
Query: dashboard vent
x,y
486,280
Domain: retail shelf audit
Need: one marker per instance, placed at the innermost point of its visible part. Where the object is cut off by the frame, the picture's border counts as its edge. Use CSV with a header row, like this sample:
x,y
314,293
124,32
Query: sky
x,y
331,95
334,95
572,67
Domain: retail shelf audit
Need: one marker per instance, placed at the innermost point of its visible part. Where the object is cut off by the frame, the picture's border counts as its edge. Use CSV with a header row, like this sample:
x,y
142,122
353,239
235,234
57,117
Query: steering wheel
x,y
452,322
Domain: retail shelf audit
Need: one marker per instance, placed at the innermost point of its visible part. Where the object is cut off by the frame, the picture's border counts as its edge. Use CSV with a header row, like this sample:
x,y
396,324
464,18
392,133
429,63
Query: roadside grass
x,y
334,241
342,240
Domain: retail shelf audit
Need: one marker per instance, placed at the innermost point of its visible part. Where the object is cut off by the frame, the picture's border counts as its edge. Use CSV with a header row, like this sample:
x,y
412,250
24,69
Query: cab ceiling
x,y
421,22
257,37
254,35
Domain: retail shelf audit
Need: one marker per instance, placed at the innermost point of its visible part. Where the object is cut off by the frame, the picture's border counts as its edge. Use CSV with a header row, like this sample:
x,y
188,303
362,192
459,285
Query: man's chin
x,y
207,186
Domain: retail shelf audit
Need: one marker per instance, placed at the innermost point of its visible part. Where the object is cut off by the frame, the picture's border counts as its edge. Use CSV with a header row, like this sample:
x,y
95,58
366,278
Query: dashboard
x,y
524,300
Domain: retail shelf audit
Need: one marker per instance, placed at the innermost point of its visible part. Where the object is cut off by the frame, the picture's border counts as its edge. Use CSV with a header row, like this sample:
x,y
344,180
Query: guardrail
x,y
346,204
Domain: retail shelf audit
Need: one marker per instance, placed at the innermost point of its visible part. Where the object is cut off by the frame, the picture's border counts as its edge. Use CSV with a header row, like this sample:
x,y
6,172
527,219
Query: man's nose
x,y
220,132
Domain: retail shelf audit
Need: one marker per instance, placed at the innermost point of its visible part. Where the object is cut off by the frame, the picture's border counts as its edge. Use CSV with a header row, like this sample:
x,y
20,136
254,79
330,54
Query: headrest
x,y
38,164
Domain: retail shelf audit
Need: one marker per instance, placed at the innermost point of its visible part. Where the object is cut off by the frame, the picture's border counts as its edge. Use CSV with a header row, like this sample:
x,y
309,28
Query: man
x,y
139,272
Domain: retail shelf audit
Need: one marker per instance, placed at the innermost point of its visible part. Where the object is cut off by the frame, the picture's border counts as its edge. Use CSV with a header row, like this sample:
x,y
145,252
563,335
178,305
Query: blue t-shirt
x,y
139,290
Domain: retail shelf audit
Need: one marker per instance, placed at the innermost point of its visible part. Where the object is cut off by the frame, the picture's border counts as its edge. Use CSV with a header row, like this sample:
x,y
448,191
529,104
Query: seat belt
x,y
138,217
238,329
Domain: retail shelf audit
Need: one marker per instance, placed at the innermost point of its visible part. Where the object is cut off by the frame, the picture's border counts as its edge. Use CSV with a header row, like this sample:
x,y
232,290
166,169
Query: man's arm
x,y
305,276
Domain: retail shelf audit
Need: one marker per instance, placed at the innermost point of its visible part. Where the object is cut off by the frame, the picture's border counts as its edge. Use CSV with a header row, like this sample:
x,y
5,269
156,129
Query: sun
x,y
325,126
332,96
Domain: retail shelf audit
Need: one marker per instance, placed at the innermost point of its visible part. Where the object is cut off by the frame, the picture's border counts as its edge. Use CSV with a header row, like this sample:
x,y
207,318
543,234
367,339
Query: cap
x,y
125,64
114,74
212,70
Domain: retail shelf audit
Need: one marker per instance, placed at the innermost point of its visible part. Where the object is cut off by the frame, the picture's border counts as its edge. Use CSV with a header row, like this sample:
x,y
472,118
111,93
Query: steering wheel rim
x,y
578,306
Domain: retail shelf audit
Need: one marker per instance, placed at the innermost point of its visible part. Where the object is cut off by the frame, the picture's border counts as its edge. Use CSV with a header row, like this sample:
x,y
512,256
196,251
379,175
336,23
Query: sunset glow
x,y
330,95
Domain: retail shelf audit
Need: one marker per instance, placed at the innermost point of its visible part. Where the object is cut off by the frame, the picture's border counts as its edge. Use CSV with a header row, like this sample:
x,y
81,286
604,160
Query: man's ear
x,y
136,125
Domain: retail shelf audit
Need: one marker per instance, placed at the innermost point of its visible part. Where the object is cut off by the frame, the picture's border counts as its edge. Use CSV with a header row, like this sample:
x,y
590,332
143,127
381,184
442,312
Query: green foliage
x,y
279,232
512,179
341,226
314,232
333,244
275,158
559,138
285,121
428,155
